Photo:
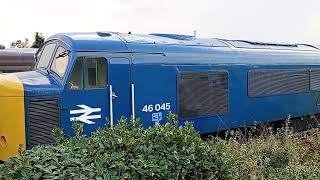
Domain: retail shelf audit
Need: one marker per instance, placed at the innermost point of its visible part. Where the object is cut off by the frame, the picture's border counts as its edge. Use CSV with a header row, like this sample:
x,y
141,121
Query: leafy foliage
x,y
38,40
20,44
125,151
128,151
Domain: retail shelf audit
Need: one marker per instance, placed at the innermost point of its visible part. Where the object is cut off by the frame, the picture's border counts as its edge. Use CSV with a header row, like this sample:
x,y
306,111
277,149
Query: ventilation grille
x,y
278,82
203,94
315,80
43,117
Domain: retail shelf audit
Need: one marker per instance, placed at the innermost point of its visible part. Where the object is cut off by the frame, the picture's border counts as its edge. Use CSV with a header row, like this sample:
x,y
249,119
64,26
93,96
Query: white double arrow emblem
x,y
86,112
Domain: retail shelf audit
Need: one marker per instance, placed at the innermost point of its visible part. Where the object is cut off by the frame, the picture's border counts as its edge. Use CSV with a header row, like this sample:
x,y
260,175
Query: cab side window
x,y
60,61
89,73
96,75
76,79
45,56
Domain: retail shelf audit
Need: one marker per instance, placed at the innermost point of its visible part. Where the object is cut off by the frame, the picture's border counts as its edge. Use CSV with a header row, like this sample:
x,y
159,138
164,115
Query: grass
x,y
280,154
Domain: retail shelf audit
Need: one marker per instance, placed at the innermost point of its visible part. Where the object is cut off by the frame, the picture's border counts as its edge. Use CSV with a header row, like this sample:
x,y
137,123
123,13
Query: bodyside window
x,y
45,56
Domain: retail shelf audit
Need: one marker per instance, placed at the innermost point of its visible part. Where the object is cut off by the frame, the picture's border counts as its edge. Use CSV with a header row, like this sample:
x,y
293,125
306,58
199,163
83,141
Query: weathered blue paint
x,y
152,63
39,83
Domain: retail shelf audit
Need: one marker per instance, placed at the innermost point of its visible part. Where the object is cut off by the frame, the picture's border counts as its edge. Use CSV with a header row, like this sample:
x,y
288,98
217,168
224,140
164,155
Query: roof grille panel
x,y
171,39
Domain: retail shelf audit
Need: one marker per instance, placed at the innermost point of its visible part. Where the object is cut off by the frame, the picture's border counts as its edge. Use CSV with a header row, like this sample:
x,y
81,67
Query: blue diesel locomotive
x,y
217,84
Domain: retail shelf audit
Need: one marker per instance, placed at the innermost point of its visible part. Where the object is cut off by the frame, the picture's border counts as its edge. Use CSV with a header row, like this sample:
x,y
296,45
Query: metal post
x,y
111,107
132,103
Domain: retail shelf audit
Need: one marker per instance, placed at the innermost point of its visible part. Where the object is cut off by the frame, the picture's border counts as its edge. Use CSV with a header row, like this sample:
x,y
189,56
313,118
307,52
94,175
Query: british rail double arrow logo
x,y
86,112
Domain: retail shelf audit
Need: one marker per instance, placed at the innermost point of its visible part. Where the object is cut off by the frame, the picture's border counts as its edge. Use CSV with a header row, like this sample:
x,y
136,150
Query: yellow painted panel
x,y
10,85
12,116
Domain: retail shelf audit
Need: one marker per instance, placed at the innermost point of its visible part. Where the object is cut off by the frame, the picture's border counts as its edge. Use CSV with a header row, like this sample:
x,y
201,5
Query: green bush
x,y
126,151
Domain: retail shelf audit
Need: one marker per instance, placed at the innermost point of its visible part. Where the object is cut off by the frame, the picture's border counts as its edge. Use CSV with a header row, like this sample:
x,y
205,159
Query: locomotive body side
x,y
95,78
245,92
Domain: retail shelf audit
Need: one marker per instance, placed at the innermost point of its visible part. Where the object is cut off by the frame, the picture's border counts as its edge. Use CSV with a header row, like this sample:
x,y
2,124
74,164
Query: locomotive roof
x,y
127,42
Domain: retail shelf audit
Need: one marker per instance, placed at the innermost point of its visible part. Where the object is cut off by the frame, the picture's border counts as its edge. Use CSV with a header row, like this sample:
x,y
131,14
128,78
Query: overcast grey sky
x,y
261,20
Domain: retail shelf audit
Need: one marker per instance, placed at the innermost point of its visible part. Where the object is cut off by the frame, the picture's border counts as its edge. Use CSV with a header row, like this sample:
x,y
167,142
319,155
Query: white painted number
x,y
156,107
145,108
148,108
163,106
167,106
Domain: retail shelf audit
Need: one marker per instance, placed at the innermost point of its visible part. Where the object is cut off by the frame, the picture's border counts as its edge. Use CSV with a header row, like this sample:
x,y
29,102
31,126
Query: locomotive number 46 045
x,y
156,107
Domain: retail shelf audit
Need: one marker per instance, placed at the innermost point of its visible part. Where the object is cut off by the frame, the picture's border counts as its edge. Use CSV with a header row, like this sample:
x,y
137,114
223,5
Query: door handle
x,y
114,96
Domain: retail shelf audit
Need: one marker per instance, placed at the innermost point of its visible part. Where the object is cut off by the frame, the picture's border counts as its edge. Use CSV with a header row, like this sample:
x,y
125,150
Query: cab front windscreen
x,y
53,57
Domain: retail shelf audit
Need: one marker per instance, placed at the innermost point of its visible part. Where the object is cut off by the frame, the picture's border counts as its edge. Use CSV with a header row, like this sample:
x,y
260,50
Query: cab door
x,y
120,83
85,98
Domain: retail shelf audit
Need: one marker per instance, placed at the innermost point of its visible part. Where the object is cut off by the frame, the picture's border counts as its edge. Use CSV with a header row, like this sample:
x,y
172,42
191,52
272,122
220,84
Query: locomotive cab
x,y
66,85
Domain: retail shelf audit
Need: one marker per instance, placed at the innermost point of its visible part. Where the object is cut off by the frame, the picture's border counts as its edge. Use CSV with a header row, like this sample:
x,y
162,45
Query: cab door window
x,y
88,73
60,61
